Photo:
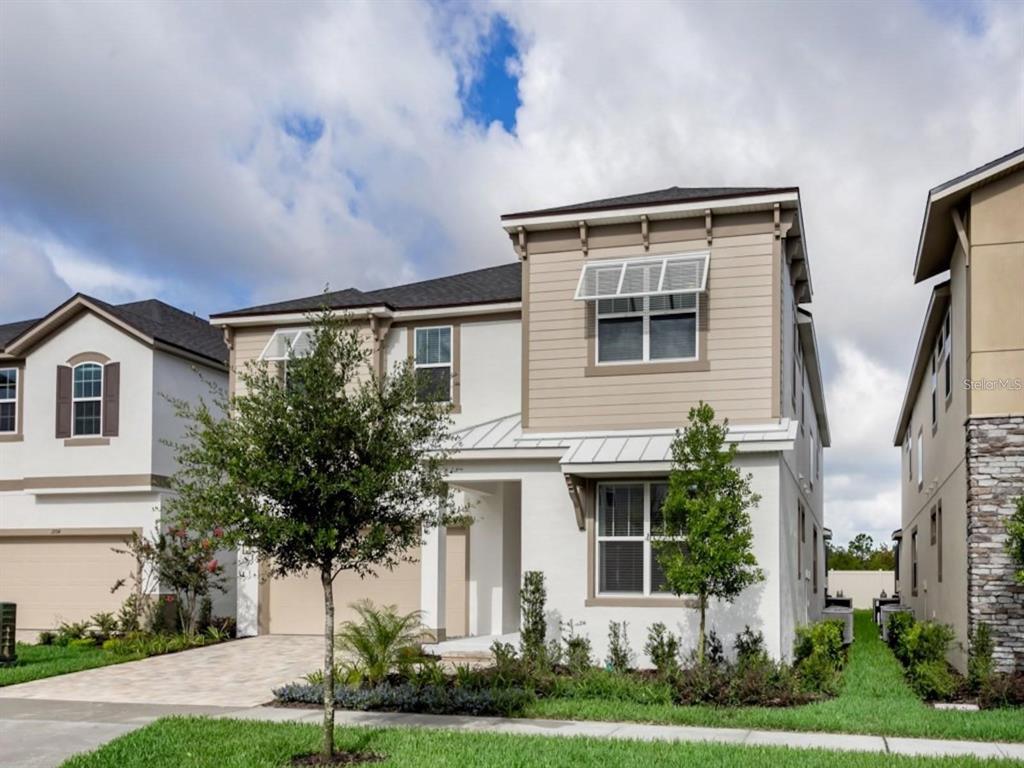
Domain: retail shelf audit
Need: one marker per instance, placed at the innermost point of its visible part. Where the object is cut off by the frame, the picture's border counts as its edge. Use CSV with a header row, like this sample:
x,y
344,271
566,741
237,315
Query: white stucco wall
x,y
178,378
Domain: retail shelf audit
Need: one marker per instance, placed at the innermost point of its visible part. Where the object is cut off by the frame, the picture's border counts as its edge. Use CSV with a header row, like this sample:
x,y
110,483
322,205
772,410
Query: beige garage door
x,y
60,578
295,605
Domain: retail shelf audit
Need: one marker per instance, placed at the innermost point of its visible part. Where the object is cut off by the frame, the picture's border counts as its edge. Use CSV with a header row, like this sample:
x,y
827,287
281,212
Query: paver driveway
x,y
240,673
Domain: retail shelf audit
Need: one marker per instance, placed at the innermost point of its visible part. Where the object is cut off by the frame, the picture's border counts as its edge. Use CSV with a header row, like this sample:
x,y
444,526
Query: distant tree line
x,y
861,554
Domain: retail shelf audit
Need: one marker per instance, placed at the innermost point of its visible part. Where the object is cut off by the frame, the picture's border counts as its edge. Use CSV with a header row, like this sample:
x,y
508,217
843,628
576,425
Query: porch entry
x,y
486,554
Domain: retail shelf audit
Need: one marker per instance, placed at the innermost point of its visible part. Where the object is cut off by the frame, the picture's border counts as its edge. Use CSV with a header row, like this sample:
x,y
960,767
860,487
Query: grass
x,y
199,742
874,699
38,661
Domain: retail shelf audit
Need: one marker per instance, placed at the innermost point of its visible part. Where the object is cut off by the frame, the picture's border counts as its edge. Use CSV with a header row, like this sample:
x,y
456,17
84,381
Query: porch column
x,y
247,594
433,559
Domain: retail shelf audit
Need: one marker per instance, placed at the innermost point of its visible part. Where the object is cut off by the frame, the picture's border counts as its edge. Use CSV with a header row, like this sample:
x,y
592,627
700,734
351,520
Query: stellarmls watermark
x,y
1013,384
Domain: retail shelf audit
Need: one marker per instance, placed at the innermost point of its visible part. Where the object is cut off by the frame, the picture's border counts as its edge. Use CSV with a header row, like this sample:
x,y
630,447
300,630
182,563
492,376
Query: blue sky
x,y
216,157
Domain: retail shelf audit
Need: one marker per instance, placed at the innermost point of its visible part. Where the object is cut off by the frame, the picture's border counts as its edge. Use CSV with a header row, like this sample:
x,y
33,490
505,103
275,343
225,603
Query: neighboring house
x,y
569,372
82,462
961,428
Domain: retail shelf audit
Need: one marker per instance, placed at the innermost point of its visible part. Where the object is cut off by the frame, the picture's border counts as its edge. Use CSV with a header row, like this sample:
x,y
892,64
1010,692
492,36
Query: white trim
x,y
292,318
291,344
703,256
450,364
14,400
90,399
977,178
644,538
671,210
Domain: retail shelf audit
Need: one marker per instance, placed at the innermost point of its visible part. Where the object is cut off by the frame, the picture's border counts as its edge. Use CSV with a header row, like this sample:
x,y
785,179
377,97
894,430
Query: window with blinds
x,y
628,517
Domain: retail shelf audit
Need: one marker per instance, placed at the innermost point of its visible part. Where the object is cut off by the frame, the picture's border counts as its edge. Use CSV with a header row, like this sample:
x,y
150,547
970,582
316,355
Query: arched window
x,y
87,399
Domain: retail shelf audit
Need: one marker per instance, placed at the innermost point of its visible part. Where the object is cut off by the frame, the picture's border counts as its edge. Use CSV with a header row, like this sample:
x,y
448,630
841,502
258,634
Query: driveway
x,y
240,673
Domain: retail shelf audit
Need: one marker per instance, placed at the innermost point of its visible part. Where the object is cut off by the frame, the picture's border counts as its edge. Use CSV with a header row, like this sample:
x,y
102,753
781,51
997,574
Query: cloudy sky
x,y
215,155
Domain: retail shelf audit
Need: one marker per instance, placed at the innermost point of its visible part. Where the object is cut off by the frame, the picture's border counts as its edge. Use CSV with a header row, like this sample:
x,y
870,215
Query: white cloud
x,y
147,139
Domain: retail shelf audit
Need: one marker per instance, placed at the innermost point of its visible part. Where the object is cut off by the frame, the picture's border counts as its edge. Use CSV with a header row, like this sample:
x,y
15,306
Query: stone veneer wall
x,y
995,479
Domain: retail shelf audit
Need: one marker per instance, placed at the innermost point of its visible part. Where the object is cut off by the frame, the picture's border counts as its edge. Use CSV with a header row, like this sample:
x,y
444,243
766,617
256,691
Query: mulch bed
x,y
340,758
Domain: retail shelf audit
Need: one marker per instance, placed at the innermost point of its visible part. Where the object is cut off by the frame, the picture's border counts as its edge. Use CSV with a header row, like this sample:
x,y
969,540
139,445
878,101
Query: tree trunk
x,y
327,581
701,639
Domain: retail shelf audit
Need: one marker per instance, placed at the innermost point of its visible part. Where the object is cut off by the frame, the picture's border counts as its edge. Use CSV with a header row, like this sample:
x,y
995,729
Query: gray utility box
x,y
889,610
845,615
843,602
876,607
8,623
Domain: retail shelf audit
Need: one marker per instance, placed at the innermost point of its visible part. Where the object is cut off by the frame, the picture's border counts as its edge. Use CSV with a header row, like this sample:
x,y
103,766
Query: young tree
x,y
704,546
335,470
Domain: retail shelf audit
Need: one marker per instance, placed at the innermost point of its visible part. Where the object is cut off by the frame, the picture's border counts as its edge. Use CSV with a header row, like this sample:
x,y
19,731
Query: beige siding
x,y
997,285
736,313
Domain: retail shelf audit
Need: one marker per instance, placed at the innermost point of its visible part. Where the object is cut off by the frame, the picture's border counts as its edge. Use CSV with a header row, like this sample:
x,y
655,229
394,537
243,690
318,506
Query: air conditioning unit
x,y
8,624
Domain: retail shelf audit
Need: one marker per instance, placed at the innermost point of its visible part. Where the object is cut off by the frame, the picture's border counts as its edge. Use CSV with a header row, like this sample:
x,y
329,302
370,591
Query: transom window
x,y
8,399
433,363
642,329
87,399
628,517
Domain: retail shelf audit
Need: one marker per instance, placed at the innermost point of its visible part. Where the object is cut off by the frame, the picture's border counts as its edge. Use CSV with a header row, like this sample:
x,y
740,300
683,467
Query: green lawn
x,y
874,699
39,661
202,743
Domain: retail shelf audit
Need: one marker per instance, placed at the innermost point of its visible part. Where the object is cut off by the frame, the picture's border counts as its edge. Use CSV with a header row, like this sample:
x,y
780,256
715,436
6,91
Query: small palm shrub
x,y
382,641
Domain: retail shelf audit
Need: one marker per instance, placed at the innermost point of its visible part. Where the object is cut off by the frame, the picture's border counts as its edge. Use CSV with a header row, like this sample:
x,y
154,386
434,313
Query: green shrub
x,y
382,640
578,652
818,655
714,652
749,647
979,658
932,680
533,634
68,631
1002,690
619,654
612,686
82,642
663,648
46,637
898,624
924,641
441,700
102,626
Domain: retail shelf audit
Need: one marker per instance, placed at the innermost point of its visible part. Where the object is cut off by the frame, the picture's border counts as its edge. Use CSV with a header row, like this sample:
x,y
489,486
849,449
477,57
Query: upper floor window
x,y
285,344
87,399
908,443
947,339
798,376
913,562
920,459
433,363
8,400
628,516
813,454
647,328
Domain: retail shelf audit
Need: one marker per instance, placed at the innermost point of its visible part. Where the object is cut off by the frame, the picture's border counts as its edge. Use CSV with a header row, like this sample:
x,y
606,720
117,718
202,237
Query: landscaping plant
x,y
382,641
1015,539
705,546
663,649
578,654
533,632
619,654
330,468
979,658
818,655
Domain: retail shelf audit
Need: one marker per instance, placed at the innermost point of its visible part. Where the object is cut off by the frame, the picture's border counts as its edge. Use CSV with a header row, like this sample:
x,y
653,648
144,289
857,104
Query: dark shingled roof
x,y
657,197
482,286
155,319
980,169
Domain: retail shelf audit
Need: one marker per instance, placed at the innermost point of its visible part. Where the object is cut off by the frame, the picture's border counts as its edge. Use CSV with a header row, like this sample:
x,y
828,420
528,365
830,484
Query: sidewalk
x,y
641,732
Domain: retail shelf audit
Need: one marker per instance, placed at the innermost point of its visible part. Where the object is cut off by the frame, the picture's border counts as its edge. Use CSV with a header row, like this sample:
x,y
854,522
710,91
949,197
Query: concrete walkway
x,y
40,734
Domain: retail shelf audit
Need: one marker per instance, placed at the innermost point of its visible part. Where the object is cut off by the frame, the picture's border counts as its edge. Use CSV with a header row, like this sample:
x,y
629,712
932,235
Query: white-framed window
x,y
628,518
908,447
814,458
433,363
920,459
947,341
934,383
798,375
660,328
87,399
8,400
284,344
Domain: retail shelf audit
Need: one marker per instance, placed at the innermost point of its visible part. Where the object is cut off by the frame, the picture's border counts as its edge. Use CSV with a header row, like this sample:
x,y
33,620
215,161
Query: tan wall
x,y
736,313
456,598
997,285
862,586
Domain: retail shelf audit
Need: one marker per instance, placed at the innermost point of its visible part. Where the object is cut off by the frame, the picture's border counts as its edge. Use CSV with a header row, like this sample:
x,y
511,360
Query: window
x,y
801,536
814,565
627,516
947,346
938,537
796,361
284,344
433,363
813,457
913,562
87,399
8,400
933,526
934,384
647,328
908,443
658,276
920,459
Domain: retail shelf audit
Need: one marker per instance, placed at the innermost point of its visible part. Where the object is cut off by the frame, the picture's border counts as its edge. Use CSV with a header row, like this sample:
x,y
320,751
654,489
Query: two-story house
x,y
83,464
961,427
569,371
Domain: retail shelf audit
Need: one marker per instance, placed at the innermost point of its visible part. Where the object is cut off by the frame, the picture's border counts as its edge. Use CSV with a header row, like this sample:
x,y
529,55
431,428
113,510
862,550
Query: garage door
x,y
296,603
61,578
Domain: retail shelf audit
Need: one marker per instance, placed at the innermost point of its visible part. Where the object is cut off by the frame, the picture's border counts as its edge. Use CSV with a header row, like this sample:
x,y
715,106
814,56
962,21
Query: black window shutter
x,y
63,401
111,398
